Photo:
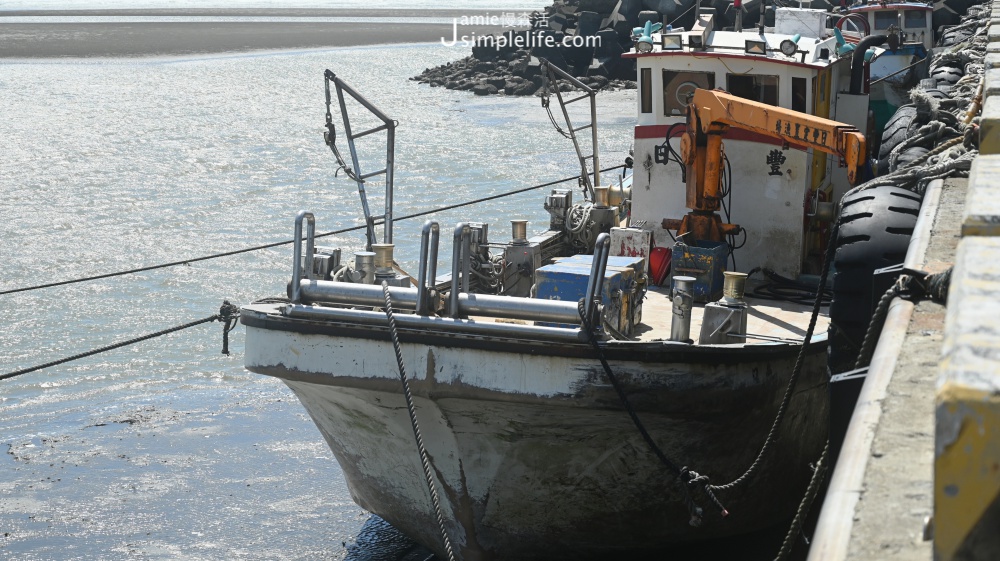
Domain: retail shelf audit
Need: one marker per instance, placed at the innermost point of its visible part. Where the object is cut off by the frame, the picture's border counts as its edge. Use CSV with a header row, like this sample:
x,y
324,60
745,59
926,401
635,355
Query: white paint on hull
x,y
534,453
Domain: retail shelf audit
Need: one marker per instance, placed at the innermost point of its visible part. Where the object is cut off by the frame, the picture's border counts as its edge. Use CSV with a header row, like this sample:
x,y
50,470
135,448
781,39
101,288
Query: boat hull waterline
x,y
533,451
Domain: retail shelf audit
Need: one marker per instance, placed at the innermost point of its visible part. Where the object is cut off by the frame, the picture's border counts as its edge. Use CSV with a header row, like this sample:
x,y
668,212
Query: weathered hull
x,y
535,455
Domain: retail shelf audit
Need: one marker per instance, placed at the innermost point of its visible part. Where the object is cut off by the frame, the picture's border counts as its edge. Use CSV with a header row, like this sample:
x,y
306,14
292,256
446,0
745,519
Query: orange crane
x,y
710,113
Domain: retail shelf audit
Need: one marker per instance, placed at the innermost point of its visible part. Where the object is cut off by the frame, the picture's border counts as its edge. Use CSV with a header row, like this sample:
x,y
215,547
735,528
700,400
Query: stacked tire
x,y
901,126
875,230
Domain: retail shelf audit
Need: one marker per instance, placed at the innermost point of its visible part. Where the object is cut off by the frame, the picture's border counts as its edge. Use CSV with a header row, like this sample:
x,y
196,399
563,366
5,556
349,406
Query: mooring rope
x,y
287,242
819,474
425,460
796,370
227,314
687,476
914,287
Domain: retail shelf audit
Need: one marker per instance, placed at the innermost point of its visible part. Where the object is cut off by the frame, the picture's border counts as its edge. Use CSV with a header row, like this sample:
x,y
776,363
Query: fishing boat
x,y
784,189
594,389
896,66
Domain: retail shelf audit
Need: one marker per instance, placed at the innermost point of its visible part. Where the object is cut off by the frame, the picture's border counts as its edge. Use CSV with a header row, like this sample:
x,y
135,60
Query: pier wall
x,y
967,405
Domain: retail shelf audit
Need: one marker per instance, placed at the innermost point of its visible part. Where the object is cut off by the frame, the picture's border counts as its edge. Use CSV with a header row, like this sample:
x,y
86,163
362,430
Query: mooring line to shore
x,y
286,242
227,314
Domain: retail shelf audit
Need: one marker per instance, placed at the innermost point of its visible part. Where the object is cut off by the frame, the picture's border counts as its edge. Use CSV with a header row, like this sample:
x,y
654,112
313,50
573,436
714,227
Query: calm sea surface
x,y
168,449
493,5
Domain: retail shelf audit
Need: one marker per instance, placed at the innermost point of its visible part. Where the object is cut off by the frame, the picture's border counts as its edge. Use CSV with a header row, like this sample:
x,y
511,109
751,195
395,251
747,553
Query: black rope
x,y
425,460
796,371
819,474
286,242
914,286
226,314
688,477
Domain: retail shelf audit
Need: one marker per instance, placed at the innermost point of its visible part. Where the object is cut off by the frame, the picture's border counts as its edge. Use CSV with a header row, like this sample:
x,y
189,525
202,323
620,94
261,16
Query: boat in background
x,y
896,66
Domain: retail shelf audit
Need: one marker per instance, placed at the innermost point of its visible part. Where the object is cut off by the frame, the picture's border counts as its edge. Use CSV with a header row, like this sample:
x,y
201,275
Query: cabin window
x,y
646,90
799,95
677,86
914,19
885,19
754,87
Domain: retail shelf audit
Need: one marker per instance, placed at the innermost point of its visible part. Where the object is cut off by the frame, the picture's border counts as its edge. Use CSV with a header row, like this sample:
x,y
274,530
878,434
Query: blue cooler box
x,y
567,280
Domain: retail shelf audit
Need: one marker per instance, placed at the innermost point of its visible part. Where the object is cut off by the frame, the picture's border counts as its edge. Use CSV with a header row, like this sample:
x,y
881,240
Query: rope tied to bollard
x,y
228,314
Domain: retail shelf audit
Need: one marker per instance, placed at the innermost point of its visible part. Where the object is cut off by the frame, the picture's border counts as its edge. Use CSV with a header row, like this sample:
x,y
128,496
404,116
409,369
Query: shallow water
x,y
322,4
168,449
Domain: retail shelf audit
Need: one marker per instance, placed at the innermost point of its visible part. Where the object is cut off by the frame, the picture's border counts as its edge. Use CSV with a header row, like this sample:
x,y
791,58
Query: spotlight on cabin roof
x,y
672,41
754,47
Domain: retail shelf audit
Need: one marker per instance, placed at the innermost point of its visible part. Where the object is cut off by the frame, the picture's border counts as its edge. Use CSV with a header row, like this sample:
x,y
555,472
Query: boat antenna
x,y
738,6
760,24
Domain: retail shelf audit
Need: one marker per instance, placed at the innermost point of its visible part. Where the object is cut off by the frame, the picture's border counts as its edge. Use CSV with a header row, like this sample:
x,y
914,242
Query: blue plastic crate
x,y
567,280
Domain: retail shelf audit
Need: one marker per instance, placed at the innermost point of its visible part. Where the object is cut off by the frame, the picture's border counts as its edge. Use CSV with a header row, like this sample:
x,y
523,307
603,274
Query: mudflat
x,y
108,38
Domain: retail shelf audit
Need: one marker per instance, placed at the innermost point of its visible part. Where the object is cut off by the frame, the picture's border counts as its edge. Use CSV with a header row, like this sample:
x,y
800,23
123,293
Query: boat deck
x,y
768,320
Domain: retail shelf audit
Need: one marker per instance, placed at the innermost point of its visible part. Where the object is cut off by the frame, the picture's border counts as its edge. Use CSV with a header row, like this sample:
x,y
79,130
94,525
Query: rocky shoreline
x,y
587,38
583,37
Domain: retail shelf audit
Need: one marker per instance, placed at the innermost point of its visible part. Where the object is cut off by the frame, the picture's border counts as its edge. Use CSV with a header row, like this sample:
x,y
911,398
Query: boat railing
x,y
333,300
297,252
428,264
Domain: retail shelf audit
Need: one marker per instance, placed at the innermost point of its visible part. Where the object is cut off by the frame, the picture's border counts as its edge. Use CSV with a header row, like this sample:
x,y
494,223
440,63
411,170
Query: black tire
x,y
946,75
875,230
953,36
935,93
899,127
909,155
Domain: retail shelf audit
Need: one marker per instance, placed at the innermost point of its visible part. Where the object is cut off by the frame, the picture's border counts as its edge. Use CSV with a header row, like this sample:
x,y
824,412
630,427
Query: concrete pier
x,y
919,475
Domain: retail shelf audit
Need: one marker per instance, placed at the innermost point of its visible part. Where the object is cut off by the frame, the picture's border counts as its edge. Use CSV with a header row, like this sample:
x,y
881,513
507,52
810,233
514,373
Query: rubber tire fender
x,y
875,230
952,36
946,75
902,123
909,155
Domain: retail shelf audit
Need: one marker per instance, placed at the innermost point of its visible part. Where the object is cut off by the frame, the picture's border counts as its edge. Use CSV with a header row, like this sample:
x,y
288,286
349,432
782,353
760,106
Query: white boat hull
x,y
533,451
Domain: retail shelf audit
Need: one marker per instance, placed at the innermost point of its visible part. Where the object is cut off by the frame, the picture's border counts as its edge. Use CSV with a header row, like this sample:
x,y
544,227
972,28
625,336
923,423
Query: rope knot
x,y
228,311
695,479
228,315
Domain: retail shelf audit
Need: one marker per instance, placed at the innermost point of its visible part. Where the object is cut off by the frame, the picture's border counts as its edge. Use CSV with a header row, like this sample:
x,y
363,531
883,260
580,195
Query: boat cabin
x,y
773,188
912,19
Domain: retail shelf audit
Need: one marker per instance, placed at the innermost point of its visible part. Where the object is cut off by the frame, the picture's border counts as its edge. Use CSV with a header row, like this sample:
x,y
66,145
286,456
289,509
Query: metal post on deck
x,y
462,234
297,252
595,284
428,264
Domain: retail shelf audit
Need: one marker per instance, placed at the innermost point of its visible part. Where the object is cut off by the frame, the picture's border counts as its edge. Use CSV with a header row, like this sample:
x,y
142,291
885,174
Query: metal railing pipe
x,y
488,305
597,268
297,252
430,229
356,294
439,324
510,307
457,256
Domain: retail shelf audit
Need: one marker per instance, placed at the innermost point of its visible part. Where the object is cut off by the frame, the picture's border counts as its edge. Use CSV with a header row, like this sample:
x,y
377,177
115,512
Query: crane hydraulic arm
x,y
710,113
